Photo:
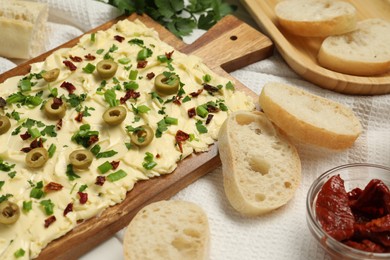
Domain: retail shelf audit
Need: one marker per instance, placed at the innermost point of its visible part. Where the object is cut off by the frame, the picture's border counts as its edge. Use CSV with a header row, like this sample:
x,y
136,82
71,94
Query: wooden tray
x,y
300,53
229,45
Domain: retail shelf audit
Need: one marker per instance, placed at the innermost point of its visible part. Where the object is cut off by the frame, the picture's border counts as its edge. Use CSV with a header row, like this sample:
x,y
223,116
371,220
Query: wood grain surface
x,y
229,45
301,52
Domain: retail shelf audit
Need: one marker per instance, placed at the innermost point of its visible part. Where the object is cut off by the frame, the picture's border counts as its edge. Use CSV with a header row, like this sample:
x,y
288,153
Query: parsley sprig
x,y
177,16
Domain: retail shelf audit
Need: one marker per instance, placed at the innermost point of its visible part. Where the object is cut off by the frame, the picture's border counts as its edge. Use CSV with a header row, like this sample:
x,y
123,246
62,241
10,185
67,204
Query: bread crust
x,y
261,168
315,127
316,18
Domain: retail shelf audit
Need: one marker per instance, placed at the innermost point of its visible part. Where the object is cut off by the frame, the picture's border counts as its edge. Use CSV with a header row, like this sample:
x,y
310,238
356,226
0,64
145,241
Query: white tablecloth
x,y
282,234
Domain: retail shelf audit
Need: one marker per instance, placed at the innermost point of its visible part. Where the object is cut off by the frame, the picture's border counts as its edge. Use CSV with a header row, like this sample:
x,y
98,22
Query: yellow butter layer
x,y
165,114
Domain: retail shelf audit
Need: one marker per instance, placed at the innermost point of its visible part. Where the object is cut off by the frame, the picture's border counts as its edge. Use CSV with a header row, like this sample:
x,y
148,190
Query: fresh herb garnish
x,y
149,163
115,176
48,206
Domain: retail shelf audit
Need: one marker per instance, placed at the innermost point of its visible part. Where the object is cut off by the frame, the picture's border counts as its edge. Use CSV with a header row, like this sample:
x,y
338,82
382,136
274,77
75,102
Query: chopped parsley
x,y
37,191
70,173
27,206
85,136
200,127
19,253
48,206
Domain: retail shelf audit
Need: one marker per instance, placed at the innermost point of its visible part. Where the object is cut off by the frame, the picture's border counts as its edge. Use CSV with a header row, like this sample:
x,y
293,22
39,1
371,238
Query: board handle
x,y
231,44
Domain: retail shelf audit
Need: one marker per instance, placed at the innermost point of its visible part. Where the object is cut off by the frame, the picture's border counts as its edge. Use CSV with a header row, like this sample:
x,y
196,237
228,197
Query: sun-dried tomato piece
x,y
69,208
119,38
69,65
57,102
25,149
79,117
333,210
374,200
93,139
176,100
89,57
209,117
25,136
212,109
100,180
59,124
68,86
150,75
115,164
53,186
191,112
36,143
169,55
366,245
50,220
210,88
75,58
142,64
83,197
197,93
129,94
181,137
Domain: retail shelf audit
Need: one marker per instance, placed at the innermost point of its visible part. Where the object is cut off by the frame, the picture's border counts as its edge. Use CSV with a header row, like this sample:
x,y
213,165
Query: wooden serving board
x,y
229,45
301,52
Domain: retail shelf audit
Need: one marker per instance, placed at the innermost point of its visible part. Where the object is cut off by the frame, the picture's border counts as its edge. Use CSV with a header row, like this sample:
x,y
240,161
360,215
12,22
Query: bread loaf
x,y
168,230
261,168
363,52
23,28
316,18
309,118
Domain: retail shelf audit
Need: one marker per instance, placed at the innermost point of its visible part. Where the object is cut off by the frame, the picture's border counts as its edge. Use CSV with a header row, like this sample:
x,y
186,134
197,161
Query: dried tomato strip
x,y
50,220
53,186
68,86
69,65
69,208
181,137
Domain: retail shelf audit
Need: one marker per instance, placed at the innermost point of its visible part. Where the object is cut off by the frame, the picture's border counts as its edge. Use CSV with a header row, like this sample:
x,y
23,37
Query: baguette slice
x,y
363,52
261,168
23,28
168,230
316,18
309,118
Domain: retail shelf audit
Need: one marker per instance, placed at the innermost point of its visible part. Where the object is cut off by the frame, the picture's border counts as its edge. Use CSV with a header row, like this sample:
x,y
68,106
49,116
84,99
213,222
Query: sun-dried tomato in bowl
x,y
348,211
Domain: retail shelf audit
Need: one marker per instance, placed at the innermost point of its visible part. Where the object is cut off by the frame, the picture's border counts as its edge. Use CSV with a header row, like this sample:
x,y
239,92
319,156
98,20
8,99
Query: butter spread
x,y
122,43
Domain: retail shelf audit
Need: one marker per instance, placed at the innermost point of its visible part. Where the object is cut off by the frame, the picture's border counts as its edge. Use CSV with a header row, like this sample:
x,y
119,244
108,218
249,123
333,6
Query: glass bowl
x,y
354,175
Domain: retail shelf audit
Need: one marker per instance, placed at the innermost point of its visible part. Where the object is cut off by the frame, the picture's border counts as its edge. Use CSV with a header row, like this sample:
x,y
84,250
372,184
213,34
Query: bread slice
x,y
261,168
309,118
316,18
363,52
168,230
23,28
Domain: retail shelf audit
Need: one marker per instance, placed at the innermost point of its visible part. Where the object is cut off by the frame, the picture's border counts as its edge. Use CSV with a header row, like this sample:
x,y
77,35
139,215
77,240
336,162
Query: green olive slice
x,y
166,86
115,115
81,159
106,68
37,157
51,75
5,124
9,212
55,108
142,135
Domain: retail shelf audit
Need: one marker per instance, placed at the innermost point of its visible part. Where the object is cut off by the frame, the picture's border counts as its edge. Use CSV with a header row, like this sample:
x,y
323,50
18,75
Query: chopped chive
x,y
93,37
207,78
171,120
19,253
34,132
95,149
115,176
124,60
52,150
89,68
201,111
100,51
133,74
105,167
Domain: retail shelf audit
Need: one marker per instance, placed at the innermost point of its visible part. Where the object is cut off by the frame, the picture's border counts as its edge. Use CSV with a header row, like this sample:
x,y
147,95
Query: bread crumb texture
x,y
168,230
261,167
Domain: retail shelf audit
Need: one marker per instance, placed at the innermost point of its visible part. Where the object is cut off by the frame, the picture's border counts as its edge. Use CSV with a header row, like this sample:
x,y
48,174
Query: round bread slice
x,y
316,18
168,230
309,118
261,168
363,52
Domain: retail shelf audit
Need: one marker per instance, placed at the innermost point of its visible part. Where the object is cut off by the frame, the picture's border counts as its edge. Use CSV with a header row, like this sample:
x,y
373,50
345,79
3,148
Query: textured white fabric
x,y
282,234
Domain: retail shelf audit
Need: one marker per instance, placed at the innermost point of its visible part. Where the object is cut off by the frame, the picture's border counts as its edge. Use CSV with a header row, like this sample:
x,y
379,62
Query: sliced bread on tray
x,y
261,168
316,18
309,118
363,52
168,230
